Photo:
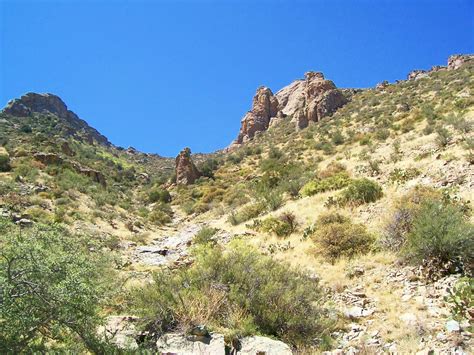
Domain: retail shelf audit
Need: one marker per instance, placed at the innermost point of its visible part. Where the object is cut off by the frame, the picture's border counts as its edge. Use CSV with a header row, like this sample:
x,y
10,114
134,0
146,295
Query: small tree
x,y
51,288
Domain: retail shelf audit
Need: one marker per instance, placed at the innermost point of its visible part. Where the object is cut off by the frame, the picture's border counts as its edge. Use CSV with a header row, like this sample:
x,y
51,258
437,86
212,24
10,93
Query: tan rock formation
x,y
186,171
310,99
264,107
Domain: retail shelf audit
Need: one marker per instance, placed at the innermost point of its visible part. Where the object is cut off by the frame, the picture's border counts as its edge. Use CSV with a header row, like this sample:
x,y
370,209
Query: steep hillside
x,y
339,220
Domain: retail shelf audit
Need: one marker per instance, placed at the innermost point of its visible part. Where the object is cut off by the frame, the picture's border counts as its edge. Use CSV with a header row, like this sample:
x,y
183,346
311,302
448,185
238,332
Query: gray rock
x,y
262,345
453,326
358,312
185,345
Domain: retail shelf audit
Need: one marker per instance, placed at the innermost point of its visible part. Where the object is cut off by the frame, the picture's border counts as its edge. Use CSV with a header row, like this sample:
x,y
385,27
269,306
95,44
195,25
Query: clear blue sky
x,y
161,75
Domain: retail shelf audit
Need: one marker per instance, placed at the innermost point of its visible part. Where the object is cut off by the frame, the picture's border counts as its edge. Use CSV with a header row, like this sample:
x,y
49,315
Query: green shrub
x,y
461,298
403,175
443,137
360,191
334,182
247,212
238,292
161,214
158,194
282,226
205,236
51,291
4,160
441,235
336,236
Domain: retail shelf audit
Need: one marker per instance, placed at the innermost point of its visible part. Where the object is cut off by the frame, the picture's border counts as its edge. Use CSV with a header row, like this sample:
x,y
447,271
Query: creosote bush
x,y
336,236
236,291
334,182
205,236
441,235
431,228
282,226
247,212
360,191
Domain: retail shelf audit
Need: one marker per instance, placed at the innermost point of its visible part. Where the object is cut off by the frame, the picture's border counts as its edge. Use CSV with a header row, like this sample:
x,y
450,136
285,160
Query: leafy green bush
x,y
443,137
204,236
461,298
334,182
51,290
158,194
336,236
247,212
236,291
441,235
161,214
4,160
360,191
403,175
282,226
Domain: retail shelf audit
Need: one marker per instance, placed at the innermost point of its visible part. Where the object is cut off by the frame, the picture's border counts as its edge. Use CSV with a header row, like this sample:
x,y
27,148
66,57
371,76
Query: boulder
x,y
262,345
186,171
48,158
264,107
121,331
191,345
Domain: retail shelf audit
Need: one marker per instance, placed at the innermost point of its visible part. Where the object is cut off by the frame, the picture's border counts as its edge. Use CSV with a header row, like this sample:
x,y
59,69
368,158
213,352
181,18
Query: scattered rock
x,y
24,222
186,171
261,345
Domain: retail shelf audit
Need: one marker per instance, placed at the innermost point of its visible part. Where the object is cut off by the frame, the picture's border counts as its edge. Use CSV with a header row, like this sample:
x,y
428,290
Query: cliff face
x,y
31,103
264,107
310,99
304,100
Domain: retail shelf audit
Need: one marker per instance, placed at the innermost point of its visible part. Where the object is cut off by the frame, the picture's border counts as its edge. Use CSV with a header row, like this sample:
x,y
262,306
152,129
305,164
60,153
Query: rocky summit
x,y
32,103
302,101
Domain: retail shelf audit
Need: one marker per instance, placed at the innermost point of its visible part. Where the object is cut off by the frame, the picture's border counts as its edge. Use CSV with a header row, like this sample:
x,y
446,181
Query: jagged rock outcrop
x,y
51,158
306,100
31,103
457,60
186,171
310,99
454,62
264,107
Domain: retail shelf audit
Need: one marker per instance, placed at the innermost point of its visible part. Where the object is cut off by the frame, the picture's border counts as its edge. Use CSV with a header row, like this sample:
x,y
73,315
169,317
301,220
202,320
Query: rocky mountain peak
x,y
306,100
39,103
50,104
264,107
186,171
